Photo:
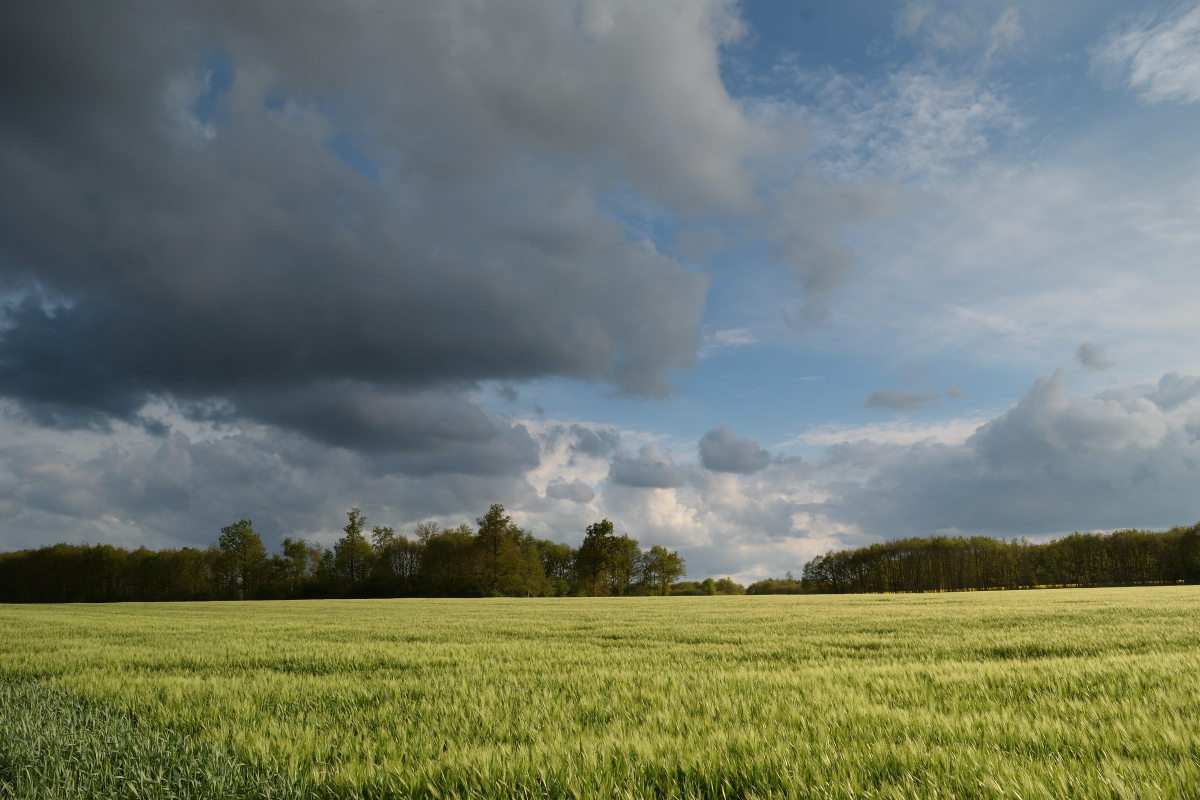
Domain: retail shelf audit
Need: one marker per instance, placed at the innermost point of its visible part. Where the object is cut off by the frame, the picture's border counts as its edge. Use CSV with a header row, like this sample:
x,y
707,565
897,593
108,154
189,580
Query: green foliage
x,y
727,586
787,585
292,567
707,587
353,554
397,559
943,563
607,564
448,565
593,557
661,569
1074,693
245,557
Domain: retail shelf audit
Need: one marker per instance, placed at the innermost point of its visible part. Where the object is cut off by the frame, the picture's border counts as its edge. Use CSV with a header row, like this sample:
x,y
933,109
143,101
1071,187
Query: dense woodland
x,y
948,564
498,558
495,559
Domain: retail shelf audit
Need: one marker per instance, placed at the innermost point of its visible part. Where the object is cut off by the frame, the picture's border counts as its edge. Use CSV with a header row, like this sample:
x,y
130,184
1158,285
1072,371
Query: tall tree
x,y
426,531
353,554
592,559
397,558
295,563
447,563
663,568
245,554
499,547
624,563
558,564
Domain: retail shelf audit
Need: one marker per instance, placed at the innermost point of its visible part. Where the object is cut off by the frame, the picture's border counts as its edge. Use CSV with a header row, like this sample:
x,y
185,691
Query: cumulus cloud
x,y
1174,390
589,440
1158,60
1054,462
576,491
651,468
1092,356
722,451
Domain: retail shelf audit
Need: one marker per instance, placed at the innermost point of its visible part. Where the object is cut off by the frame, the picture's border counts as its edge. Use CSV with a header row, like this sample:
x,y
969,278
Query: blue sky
x,y
937,260
1053,110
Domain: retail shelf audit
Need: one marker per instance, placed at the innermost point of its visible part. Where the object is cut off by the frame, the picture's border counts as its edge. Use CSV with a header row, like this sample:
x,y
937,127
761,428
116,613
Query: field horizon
x,y
1070,692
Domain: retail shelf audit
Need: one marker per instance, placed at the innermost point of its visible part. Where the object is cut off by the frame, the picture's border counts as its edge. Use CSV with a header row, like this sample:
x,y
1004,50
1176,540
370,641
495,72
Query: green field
x,y
1057,693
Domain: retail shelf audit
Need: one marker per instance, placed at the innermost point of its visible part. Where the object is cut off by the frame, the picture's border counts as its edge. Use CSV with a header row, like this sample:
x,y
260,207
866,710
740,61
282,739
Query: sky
x,y
754,280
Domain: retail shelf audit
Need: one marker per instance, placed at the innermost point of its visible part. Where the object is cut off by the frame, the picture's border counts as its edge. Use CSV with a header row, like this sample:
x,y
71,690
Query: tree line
x,y
496,558
955,563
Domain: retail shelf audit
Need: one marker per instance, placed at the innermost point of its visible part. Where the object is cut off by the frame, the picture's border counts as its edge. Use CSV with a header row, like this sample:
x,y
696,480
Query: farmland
x,y
1084,693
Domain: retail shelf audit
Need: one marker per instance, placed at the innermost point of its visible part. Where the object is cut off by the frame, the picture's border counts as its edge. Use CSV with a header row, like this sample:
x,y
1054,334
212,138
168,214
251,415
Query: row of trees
x,y
497,558
946,564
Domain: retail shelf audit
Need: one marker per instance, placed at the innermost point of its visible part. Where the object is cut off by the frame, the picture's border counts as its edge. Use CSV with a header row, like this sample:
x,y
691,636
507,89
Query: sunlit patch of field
x,y
1057,693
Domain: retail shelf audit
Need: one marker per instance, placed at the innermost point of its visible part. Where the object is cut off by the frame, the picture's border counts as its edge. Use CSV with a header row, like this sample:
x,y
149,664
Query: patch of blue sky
x,y
218,72
351,150
348,143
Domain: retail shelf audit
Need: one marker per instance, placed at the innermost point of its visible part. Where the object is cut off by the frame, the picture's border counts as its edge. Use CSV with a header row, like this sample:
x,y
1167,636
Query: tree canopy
x,y
494,558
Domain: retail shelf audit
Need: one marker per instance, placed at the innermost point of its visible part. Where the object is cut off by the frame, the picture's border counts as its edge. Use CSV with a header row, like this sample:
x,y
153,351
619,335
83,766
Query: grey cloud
x,y
1175,390
1092,356
378,209
722,451
178,491
804,235
1054,462
650,469
576,491
249,252
593,441
418,432
955,393
901,399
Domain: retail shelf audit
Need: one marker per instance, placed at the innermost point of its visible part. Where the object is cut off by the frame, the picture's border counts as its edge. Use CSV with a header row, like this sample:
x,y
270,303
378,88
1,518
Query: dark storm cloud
x,y
650,469
431,431
722,451
226,202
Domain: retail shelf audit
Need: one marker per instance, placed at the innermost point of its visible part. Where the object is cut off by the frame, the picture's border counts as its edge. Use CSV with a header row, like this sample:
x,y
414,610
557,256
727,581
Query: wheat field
x,y
1054,693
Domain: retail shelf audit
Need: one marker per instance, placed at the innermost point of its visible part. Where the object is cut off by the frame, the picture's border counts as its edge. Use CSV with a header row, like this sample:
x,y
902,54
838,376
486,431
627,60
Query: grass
x,y
1067,693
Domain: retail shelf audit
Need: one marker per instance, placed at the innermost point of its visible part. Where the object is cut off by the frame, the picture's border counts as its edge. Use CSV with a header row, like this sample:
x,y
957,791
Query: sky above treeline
x,y
752,280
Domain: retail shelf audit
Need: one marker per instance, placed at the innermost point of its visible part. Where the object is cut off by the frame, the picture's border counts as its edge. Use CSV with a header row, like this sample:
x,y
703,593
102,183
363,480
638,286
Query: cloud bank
x,y
1054,462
